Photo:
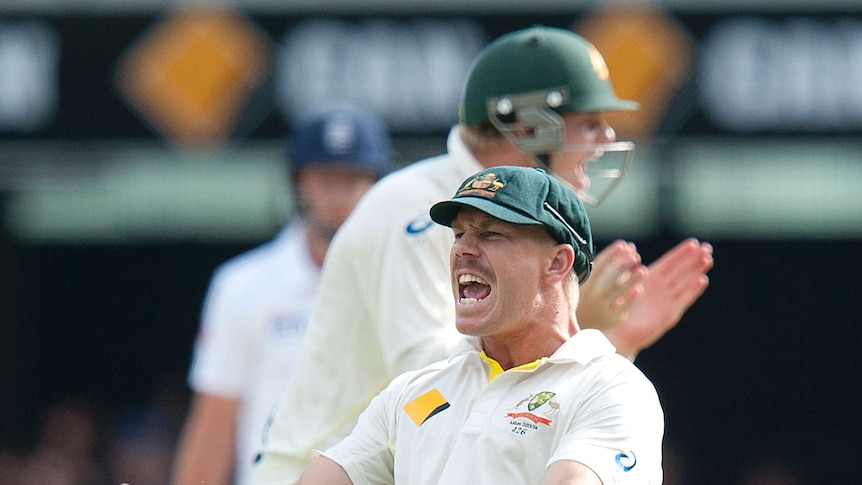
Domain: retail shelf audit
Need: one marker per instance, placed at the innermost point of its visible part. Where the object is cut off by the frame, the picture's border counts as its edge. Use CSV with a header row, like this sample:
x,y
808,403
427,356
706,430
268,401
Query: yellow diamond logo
x,y
192,74
649,56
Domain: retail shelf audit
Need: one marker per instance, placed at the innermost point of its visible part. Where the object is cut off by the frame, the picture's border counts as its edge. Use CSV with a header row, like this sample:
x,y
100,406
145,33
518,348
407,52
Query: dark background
x,y
90,108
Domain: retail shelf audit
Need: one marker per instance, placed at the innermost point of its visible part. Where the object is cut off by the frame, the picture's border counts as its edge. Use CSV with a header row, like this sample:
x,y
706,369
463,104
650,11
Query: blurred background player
x,y
533,97
258,303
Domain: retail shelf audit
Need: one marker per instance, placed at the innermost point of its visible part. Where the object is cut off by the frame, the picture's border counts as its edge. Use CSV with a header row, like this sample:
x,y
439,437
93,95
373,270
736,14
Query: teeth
x,y
465,279
469,279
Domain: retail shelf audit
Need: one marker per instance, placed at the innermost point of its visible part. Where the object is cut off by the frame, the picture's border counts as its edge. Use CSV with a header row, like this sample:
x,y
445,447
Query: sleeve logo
x,y
425,406
626,460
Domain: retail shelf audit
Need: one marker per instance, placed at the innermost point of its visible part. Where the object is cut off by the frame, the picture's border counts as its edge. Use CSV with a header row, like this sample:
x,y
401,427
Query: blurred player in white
x,y
535,97
258,303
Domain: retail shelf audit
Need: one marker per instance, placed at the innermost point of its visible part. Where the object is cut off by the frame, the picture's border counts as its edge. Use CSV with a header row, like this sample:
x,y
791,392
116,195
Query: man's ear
x,y
562,261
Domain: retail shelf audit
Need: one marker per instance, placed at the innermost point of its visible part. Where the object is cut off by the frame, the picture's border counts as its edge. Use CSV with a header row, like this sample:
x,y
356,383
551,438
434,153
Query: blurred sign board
x,y
192,74
722,74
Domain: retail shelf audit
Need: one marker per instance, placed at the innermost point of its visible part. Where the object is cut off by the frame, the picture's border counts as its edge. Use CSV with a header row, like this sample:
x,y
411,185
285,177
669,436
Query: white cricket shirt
x,y
253,321
457,422
385,306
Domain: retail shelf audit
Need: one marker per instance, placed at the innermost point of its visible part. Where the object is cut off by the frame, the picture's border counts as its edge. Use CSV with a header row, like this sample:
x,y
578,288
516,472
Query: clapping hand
x,y
635,306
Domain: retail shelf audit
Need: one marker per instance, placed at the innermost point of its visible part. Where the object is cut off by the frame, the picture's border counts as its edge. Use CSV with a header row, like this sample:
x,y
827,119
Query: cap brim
x,y
444,212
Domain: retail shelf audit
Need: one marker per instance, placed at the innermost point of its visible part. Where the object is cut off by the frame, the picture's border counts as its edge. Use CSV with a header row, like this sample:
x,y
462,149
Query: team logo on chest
x,y
532,411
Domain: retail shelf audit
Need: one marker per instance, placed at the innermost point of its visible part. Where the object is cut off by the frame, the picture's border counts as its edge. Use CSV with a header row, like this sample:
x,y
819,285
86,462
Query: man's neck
x,y
526,347
317,244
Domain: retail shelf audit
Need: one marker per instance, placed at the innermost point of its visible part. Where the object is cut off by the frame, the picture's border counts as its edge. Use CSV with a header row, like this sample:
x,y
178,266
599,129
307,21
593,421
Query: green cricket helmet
x,y
523,81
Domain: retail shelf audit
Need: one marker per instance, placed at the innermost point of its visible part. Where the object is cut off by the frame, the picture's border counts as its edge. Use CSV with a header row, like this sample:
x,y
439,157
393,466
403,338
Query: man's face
x,y
590,160
496,270
581,131
328,193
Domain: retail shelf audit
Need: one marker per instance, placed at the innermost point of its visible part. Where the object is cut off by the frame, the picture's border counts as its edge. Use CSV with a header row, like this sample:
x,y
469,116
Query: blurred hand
x,y
615,284
670,286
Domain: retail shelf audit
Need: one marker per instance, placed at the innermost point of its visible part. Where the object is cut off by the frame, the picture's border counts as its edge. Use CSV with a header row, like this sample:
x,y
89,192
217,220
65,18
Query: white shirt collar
x,y
583,347
456,149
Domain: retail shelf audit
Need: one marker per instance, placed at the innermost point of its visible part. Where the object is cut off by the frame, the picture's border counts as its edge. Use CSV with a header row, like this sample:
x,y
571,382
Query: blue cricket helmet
x,y
340,135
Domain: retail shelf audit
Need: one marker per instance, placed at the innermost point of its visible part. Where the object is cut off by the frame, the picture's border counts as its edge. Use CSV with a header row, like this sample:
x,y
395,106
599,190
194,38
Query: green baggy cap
x,y
522,195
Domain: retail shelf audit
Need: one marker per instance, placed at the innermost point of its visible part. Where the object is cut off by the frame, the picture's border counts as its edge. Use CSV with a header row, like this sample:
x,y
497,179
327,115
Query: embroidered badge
x,y
522,417
339,135
485,185
598,62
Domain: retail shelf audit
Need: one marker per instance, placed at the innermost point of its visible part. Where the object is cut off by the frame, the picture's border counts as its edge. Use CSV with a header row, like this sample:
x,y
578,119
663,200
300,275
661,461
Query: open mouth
x,y
472,289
